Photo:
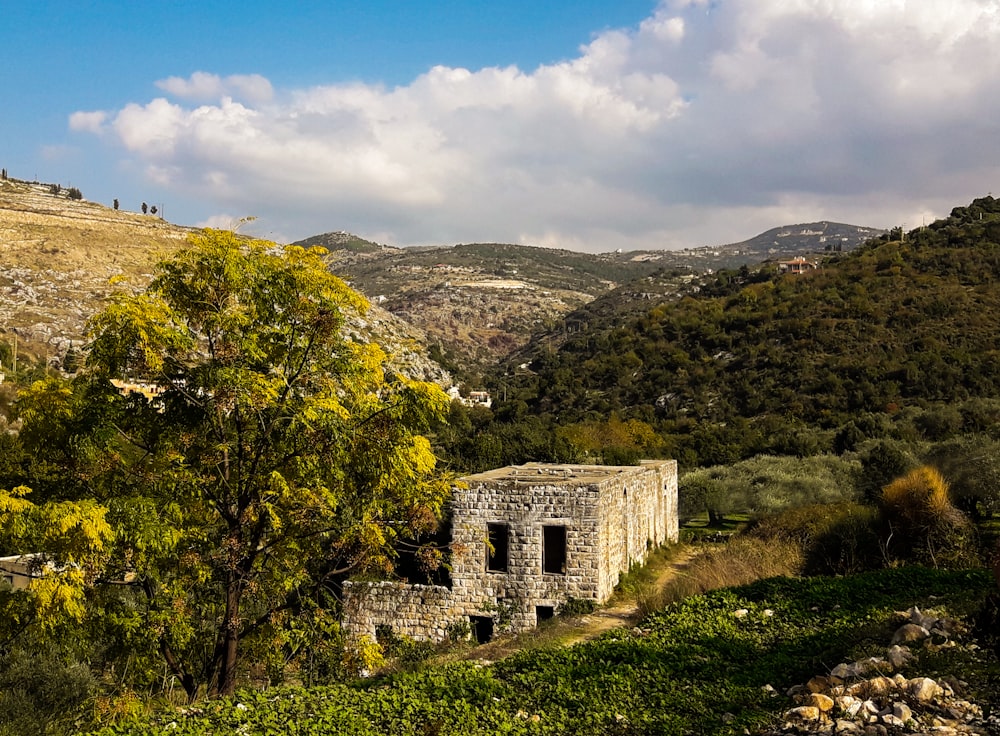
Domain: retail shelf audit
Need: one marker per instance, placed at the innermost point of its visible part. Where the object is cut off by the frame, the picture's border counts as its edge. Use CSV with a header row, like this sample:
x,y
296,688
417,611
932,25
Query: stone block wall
x,y
602,519
416,611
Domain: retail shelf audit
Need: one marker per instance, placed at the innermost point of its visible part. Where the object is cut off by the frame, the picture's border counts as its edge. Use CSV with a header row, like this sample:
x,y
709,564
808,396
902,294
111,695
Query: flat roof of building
x,y
556,473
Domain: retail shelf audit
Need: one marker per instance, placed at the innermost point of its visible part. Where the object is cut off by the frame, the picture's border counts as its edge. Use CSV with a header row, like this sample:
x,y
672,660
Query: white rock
x,y
924,689
902,711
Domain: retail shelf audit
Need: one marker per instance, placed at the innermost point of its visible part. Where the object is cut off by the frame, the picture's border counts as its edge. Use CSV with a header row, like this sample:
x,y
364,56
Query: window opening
x,y
544,613
498,547
482,628
554,549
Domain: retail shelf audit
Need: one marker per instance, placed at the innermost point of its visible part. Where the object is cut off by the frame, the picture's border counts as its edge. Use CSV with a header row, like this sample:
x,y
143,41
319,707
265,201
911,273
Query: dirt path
x,y
626,612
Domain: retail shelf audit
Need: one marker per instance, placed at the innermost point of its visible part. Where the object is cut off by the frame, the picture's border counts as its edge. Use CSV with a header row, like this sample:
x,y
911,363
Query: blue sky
x,y
589,124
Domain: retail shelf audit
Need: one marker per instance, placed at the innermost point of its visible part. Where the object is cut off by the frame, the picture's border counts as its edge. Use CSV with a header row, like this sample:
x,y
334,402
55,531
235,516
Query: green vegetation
x,y
892,341
840,425
195,529
694,667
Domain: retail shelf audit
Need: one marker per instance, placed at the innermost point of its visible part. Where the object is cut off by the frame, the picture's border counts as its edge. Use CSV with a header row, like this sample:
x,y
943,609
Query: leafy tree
x,y
882,463
267,457
971,464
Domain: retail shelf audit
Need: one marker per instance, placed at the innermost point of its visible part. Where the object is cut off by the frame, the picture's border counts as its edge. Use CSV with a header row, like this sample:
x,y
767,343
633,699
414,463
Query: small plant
x,y
458,630
573,607
502,613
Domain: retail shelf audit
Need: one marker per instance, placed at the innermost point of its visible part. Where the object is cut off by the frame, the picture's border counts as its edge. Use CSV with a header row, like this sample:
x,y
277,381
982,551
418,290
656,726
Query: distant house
x,y
475,398
525,540
18,571
796,265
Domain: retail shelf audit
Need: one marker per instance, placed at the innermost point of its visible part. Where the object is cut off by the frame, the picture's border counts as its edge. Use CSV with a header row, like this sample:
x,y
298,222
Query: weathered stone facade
x,y
525,540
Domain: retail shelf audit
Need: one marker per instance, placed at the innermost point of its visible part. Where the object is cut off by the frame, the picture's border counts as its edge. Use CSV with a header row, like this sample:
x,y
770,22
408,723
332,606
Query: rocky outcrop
x,y
872,697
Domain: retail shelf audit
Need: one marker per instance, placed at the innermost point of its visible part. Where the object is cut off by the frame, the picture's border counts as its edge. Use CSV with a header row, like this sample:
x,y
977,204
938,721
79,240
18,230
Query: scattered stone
x,y
803,713
899,656
902,711
818,684
823,702
910,633
874,704
924,689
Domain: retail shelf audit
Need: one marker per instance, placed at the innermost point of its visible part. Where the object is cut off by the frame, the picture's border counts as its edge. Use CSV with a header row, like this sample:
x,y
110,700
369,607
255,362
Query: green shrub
x,y
835,539
881,463
41,692
573,607
971,465
921,524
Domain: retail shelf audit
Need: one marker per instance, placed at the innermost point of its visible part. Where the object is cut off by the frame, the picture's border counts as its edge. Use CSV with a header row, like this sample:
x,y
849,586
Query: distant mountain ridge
x,y
482,302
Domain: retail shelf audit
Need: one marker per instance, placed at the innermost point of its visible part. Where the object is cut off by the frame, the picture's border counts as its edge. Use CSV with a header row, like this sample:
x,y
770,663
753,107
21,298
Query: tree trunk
x,y
229,639
715,518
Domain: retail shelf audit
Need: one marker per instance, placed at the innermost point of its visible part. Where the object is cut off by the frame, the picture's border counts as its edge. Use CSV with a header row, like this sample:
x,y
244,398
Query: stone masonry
x,y
525,539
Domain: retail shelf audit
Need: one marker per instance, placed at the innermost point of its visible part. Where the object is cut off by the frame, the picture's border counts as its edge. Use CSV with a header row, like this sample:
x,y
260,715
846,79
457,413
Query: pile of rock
x,y
866,698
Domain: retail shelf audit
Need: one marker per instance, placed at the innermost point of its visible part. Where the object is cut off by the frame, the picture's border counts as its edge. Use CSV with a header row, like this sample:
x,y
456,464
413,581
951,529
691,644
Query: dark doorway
x,y
497,550
544,613
482,628
554,549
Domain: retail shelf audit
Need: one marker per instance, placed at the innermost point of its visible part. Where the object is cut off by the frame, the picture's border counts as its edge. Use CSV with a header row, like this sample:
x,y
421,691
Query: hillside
x,y
902,322
484,301
58,255
728,662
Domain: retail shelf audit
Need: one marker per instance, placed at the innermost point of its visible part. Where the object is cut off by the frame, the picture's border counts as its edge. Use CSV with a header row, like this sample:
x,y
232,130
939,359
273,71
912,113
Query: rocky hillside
x,y
58,255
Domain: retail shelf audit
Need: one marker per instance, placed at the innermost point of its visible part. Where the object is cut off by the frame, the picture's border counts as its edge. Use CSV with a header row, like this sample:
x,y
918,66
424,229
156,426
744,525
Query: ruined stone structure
x,y
526,539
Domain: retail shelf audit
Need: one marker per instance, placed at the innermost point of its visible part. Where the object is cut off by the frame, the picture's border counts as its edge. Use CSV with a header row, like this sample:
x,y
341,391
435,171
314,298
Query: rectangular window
x,y
544,613
554,549
9,580
482,628
497,549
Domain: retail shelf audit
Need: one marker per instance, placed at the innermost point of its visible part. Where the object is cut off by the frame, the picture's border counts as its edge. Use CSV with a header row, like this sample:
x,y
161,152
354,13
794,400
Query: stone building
x,y
526,539
17,571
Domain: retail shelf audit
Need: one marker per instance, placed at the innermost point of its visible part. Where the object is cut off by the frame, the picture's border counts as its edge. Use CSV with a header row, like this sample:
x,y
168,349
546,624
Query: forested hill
x,y
906,320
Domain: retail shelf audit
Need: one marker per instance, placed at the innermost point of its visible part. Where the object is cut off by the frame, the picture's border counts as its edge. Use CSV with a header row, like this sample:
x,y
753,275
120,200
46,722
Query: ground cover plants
x,y
699,666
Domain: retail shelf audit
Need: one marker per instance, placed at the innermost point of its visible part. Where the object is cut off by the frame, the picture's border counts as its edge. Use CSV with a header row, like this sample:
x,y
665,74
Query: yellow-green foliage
x,y
922,524
918,497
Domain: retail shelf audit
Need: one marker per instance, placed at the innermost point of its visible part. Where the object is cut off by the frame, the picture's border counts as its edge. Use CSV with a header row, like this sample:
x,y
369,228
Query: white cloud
x,y
706,123
220,222
206,87
88,122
